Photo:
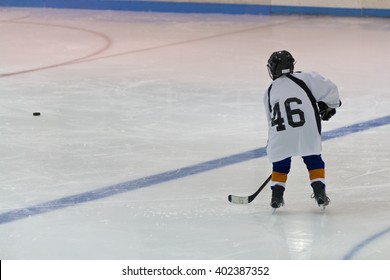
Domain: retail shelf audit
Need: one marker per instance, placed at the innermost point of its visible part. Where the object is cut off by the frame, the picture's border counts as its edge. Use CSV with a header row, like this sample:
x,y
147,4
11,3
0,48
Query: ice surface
x,y
134,106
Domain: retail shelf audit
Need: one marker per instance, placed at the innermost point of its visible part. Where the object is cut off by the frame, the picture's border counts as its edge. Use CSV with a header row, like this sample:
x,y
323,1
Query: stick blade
x,y
238,199
248,199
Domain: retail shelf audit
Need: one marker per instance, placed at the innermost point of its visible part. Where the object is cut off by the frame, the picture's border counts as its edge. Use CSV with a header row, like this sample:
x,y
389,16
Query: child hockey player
x,y
295,103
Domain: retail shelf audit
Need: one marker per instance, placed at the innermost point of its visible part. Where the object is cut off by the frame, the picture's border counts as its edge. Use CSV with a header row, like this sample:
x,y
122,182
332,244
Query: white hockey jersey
x,y
294,124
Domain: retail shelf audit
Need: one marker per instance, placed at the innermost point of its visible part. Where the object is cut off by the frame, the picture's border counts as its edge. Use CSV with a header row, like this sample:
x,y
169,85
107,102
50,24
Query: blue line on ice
x,y
170,175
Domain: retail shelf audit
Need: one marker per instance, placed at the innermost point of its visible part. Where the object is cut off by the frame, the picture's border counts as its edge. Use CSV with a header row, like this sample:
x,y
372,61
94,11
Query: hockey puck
x,y
36,114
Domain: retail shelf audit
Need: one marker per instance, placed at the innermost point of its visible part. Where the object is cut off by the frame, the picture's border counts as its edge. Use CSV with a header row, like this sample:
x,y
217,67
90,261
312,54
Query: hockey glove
x,y
325,111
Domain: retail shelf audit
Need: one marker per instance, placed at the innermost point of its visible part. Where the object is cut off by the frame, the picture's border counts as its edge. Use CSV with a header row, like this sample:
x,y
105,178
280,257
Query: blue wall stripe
x,y
376,12
192,7
119,188
316,10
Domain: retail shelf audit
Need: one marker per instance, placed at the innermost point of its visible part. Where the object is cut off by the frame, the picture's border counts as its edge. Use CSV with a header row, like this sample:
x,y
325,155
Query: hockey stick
x,y
248,199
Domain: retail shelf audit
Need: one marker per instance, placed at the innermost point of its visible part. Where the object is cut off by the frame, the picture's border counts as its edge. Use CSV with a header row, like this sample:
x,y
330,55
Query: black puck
x,y
36,114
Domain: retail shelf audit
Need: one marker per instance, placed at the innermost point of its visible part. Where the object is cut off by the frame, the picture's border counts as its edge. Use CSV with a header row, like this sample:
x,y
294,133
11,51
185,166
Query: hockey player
x,y
295,103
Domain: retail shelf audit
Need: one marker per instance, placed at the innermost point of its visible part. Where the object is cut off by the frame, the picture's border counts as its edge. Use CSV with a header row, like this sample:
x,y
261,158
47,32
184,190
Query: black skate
x,y
277,196
319,194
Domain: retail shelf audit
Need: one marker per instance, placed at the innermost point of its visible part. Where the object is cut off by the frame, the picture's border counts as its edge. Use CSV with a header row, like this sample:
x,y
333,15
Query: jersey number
x,y
278,120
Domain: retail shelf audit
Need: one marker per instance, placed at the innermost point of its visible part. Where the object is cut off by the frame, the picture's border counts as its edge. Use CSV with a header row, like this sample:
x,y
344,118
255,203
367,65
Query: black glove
x,y
325,111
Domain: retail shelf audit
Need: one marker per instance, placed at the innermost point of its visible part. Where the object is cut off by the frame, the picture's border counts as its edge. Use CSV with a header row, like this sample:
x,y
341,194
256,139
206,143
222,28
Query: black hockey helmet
x,y
280,63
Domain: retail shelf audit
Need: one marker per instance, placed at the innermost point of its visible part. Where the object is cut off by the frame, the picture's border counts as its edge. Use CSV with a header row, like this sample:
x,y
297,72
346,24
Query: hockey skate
x,y
319,194
277,196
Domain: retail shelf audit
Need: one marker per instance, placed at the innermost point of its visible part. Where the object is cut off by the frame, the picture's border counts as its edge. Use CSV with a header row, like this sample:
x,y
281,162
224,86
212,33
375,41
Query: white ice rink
x,y
149,121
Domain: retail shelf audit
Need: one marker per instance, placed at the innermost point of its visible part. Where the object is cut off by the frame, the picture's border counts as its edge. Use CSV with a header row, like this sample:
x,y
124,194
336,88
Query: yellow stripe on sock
x,y
279,177
317,173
